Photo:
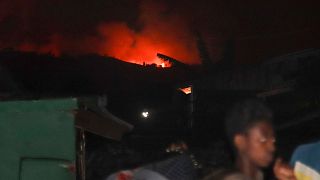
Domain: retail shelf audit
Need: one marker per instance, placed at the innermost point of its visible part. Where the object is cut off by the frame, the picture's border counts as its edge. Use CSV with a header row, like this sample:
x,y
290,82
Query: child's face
x,y
259,144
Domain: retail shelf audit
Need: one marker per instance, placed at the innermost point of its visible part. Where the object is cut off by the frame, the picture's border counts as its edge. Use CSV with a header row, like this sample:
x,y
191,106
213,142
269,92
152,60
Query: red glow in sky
x,y
53,47
159,33
136,30
167,35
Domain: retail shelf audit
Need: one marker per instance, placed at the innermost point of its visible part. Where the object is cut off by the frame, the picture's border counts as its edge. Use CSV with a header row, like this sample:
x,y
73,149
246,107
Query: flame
x,y
165,34
159,32
186,90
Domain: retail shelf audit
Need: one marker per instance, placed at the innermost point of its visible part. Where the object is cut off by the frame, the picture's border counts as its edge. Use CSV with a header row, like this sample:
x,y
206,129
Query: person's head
x,y
250,131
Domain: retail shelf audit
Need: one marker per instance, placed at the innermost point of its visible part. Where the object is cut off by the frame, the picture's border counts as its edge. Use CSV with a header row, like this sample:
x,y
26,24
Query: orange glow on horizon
x,y
53,47
142,47
168,34
161,33
155,61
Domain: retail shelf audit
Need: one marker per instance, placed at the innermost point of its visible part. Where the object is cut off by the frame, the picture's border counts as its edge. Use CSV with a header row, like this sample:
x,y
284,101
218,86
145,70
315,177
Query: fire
x,y
165,34
142,47
155,61
158,32
186,90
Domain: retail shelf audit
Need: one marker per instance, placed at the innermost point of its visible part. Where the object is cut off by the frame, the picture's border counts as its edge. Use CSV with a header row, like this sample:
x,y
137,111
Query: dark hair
x,y
244,115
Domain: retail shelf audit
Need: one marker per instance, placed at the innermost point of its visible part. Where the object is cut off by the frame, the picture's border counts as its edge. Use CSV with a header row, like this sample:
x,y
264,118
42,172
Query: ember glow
x,y
154,31
165,34
186,90
122,43
136,30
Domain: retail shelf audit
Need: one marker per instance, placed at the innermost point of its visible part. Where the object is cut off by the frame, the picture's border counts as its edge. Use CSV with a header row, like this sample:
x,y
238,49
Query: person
x,y
252,137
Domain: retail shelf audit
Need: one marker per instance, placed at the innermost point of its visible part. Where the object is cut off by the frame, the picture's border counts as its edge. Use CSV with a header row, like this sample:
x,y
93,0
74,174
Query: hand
x,y
283,171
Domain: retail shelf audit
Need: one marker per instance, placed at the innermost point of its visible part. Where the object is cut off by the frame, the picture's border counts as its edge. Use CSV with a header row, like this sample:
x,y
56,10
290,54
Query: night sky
x,y
135,30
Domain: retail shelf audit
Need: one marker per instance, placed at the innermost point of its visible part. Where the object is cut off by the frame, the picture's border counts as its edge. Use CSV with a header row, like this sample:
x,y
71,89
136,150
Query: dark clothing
x,y
176,168
229,174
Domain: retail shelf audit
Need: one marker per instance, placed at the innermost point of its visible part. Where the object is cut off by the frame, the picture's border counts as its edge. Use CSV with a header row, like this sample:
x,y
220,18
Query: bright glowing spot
x,y
187,90
145,114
